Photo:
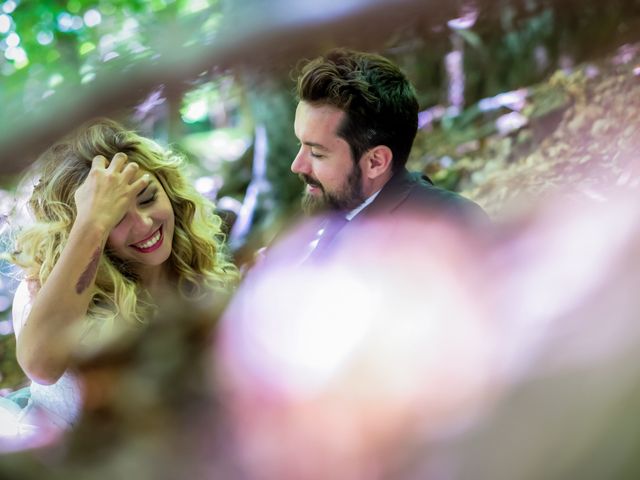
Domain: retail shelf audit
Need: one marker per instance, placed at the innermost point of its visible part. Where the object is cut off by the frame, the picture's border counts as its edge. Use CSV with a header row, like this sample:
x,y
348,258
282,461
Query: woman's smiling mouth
x,y
150,243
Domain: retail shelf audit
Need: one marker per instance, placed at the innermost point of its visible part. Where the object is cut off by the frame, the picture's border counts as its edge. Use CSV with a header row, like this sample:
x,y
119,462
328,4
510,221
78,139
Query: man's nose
x,y
300,163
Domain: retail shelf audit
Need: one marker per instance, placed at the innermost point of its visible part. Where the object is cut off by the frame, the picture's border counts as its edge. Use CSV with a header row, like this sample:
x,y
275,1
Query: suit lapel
x,y
394,192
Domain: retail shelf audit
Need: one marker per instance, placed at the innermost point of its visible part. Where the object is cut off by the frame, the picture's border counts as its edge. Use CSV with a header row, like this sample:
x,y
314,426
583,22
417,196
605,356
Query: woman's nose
x,y
142,222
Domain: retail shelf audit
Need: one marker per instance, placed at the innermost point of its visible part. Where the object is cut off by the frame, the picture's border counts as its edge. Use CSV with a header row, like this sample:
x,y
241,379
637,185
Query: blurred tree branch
x,y
254,35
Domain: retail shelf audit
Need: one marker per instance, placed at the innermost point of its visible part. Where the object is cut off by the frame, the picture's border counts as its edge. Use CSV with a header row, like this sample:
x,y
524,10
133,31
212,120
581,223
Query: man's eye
x,y
316,155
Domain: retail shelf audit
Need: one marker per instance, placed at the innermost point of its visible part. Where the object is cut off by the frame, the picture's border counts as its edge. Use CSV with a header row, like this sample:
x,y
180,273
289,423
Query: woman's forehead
x,y
142,171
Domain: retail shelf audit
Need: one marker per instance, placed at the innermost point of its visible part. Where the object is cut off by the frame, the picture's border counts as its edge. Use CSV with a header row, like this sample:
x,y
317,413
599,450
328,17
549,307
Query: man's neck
x,y
371,186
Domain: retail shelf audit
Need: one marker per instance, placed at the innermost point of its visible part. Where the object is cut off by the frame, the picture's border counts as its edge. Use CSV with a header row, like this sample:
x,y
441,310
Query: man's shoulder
x,y
423,190
422,196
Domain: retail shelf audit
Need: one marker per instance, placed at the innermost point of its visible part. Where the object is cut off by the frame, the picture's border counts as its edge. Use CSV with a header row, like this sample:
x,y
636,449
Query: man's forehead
x,y
316,120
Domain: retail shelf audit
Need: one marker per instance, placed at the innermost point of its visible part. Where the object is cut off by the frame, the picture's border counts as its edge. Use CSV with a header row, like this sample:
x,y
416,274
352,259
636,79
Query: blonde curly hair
x,y
198,262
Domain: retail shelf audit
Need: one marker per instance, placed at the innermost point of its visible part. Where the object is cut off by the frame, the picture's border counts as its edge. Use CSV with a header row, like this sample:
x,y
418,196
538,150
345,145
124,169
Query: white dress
x,y
59,403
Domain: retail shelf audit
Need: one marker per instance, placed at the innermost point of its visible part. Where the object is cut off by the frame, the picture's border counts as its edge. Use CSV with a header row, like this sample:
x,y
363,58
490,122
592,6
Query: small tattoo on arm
x,y
87,276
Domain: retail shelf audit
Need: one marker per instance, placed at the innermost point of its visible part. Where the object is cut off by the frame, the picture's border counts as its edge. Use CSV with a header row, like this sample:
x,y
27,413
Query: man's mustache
x,y
309,180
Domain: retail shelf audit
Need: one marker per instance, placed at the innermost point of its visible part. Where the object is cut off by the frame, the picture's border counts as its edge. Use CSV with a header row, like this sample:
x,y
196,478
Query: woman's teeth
x,y
149,243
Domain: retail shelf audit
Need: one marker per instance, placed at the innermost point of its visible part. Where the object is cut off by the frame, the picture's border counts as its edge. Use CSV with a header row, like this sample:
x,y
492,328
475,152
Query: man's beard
x,y
347,198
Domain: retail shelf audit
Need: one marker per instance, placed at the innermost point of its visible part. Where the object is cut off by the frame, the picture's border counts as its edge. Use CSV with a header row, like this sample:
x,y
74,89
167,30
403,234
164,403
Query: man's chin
x,y
314,204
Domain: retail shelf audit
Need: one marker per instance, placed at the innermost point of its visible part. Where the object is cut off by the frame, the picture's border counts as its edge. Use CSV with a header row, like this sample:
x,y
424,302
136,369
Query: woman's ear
x,y
378,162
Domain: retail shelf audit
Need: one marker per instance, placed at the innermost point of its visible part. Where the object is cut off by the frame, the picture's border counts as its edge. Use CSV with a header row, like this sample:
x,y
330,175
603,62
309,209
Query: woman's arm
x,y
52,329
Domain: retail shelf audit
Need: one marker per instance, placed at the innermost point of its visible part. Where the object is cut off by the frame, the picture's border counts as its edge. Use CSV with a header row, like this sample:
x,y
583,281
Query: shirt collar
x,y
349,216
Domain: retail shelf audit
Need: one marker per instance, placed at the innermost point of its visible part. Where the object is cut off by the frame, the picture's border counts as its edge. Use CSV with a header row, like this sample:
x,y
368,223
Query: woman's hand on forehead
x,y
109,190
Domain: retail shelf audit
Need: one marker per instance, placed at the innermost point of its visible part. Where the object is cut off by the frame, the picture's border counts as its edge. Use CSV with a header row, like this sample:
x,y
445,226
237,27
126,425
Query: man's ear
x,y
377,162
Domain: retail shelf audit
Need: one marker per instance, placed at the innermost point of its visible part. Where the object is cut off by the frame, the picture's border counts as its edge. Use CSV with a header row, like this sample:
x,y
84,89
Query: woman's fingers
x,y
130,171
140,184
99,161
125,174
118,162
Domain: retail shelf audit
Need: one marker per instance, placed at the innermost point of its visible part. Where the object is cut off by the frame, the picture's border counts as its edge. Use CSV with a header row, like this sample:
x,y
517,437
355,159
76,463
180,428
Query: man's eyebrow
x,y
315,145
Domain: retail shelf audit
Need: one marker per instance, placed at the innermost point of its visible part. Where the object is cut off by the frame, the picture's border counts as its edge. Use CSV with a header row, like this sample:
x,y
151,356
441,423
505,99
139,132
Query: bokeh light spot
x,y
86,47
74,6
196,111
92,18
13,39
9,6
65,22
44,37
5,23
55,80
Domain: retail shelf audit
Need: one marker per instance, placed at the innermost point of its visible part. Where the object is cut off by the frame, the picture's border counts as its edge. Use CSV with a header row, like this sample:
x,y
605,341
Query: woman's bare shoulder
x,y
22,301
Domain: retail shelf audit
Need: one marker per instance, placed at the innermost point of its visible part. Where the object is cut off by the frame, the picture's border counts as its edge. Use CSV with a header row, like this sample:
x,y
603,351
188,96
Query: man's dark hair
x,y
380,104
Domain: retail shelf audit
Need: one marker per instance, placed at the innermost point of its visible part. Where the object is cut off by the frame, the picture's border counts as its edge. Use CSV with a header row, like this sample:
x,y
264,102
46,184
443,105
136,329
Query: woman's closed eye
x,y
149,199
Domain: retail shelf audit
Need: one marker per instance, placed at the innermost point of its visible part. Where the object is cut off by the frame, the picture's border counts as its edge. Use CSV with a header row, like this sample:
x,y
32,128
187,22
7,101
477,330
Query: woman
x,y
116,225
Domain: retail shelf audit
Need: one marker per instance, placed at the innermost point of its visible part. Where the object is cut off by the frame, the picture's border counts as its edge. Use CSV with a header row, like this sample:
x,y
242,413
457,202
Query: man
x,y
356,120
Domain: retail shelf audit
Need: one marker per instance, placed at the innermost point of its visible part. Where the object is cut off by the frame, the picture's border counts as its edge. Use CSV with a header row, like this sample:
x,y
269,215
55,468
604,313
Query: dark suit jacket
x,y
407,195
414,194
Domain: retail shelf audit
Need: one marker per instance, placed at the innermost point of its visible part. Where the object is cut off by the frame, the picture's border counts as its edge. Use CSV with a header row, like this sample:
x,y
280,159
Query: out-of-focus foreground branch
x,y
259,35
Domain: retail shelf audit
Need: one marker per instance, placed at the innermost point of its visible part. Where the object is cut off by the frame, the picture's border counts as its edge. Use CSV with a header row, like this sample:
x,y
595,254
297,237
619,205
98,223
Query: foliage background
x,y
212,76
